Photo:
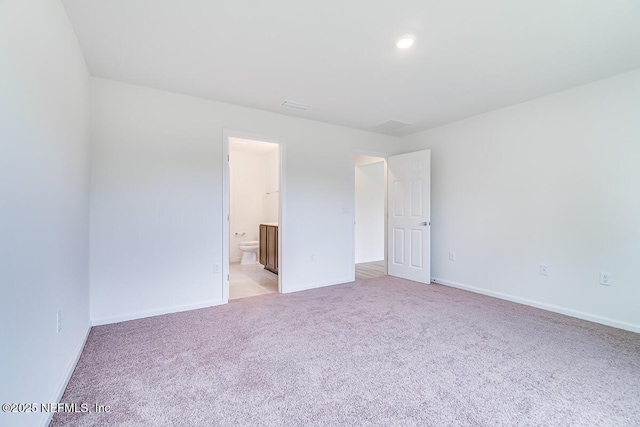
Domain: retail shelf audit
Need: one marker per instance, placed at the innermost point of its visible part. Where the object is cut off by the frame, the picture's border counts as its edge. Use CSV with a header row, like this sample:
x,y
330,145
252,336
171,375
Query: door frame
x,y
231,133
384,156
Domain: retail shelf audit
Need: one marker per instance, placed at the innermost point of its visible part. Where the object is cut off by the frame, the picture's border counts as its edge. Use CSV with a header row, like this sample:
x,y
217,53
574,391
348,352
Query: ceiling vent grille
x,y
391,125
296,105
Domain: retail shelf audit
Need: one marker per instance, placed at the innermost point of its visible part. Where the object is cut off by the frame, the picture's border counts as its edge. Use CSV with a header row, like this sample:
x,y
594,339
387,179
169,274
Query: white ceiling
x,y
339,56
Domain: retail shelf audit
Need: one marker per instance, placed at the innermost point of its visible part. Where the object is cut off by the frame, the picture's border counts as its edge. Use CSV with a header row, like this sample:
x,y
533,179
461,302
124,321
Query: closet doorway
x,y
370,212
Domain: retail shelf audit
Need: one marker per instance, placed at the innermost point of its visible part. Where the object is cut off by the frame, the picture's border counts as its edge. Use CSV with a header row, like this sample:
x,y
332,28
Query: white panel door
x,y
409,226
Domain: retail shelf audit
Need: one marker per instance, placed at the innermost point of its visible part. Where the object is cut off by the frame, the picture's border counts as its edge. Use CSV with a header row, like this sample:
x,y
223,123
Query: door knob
x,y
425,223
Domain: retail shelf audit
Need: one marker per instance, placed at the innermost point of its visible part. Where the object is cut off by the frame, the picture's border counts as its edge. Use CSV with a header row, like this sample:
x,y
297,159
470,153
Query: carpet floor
x,y
382,352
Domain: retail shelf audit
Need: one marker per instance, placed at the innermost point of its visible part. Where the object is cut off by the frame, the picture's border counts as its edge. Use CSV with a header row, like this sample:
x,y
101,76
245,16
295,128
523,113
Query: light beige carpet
x,y
378,352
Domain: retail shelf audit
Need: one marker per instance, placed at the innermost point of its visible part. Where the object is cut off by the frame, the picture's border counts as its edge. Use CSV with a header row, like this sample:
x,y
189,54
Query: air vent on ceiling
x,y
391,125
296,105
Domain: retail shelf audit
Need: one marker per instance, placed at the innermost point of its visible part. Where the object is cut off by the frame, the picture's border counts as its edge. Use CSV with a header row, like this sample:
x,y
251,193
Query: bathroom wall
x,y
251,177
272,186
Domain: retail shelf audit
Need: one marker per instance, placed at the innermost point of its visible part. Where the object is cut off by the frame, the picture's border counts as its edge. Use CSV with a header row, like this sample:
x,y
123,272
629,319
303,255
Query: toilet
x,y
249,252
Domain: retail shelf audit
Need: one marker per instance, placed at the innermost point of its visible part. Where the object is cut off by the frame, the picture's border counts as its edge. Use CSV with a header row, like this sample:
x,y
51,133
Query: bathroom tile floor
x,y
250,280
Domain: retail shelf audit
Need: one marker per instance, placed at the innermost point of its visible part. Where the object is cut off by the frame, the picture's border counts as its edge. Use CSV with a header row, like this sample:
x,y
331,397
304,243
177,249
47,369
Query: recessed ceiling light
x,y
405,42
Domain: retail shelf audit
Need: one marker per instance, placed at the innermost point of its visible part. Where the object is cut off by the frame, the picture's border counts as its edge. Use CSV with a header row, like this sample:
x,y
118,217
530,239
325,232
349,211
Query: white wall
x,y
370,213
551,181
272,181
249,172
156,213
44,87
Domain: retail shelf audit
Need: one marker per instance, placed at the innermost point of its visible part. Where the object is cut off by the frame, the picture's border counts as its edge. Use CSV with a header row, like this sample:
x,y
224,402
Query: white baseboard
x,y
549,307
157,312
317,285
57,396
235,259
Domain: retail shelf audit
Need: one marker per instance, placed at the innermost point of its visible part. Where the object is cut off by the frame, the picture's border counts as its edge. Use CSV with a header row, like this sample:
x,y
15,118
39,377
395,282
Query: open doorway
x,y
253,214
370,215
403,183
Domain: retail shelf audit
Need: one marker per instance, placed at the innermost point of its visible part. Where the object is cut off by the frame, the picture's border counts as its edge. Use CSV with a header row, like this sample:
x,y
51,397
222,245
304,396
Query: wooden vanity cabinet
x,y
263,244
269,247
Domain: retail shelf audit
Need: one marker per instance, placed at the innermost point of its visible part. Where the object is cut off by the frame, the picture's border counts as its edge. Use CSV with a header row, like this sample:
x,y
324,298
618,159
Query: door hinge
x,y
227,277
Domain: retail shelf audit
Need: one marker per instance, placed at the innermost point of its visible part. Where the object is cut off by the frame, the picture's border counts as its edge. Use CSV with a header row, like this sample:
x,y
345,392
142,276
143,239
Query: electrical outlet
x,y
543,270
605,278
216,268
59,321
452,256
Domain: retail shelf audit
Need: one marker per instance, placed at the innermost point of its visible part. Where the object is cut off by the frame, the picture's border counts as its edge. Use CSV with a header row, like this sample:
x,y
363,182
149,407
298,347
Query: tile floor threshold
x,y
250,280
